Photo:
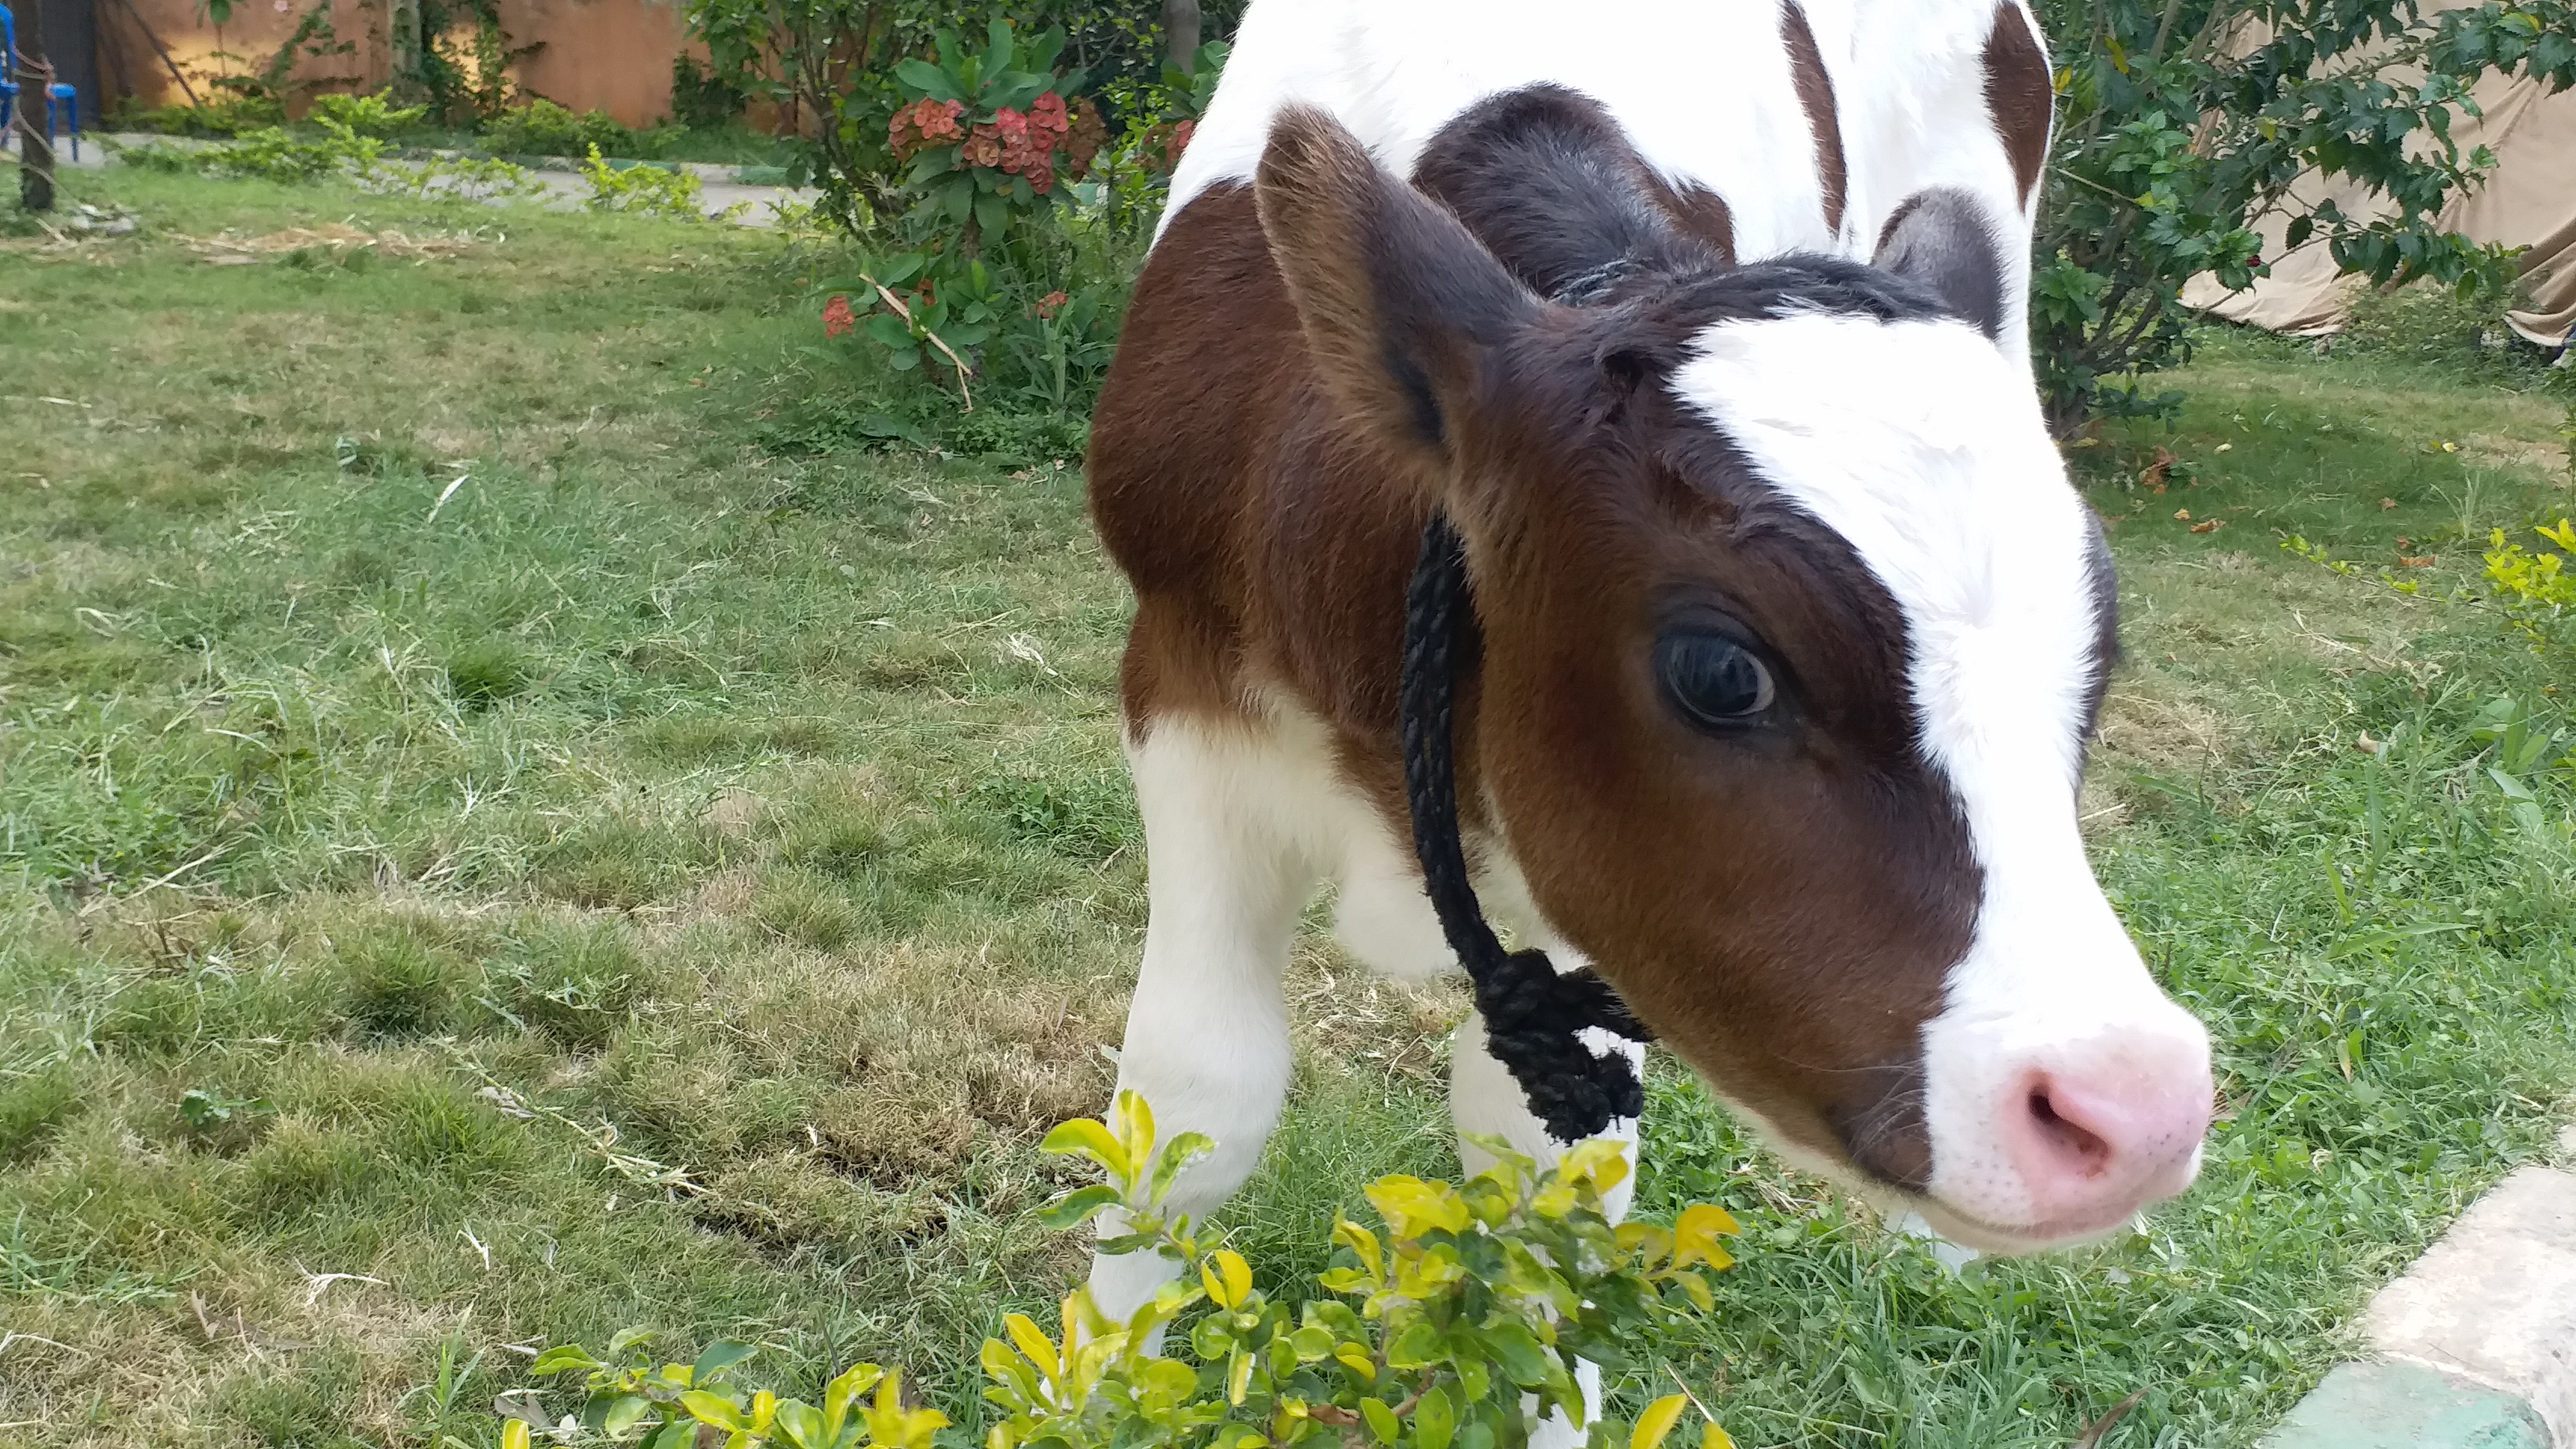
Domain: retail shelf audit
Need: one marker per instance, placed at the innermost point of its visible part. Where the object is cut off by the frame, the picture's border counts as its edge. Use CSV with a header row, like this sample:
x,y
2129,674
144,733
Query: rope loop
x,y
1534,1014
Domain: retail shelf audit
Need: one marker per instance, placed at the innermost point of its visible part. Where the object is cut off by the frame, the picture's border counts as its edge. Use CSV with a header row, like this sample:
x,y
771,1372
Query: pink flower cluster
x,y
922,125
1026,144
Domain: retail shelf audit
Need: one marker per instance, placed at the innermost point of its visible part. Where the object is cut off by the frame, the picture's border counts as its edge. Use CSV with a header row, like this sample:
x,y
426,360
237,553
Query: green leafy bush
x,y
701,97
643,189
2537,591
374,115
273,153
1446,1331
542,128
2175,135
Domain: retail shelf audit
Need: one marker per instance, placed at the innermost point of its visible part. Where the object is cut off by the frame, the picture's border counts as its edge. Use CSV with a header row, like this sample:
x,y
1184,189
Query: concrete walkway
x,y
720,187
2476,1344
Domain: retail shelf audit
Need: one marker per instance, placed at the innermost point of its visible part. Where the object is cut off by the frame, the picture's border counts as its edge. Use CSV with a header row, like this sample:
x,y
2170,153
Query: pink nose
x,y
2100,1141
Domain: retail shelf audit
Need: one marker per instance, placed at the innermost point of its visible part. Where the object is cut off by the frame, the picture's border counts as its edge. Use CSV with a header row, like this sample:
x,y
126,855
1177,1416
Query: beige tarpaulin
x,y
2529,200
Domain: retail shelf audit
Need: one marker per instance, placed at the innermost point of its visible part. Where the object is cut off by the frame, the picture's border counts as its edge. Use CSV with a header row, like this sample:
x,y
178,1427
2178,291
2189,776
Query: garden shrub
x,y
700,97
992,271
374,115
1448,1330
542,128
645,189
2174,137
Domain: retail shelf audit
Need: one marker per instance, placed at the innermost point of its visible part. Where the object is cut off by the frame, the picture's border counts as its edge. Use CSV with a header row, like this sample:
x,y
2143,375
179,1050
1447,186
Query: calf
x,y
1786,630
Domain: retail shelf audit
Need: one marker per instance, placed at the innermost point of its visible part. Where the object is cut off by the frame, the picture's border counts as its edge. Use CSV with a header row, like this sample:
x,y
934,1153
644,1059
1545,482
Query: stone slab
x,y
2405,1406
2494,1302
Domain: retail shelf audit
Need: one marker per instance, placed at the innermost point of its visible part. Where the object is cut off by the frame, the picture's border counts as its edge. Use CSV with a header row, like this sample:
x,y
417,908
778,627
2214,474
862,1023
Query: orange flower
x,y
1052,303
837,317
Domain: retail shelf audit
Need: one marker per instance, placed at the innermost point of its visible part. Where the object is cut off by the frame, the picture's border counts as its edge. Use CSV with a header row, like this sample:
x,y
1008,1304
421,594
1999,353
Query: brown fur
x,y
2020,95
1816,97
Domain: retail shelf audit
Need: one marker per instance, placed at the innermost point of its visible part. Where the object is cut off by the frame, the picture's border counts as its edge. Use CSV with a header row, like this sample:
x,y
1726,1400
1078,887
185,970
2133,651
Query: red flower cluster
x,y
1017,143
923,124
837,317
1023,144
1051,303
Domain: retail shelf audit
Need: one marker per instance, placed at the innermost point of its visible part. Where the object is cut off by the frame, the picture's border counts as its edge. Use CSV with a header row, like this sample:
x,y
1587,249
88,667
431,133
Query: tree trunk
x,y
35,78
402,43
1181,28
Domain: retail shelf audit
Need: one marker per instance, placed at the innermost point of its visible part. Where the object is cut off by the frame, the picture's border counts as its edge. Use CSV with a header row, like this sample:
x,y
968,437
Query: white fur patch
x,y
1908,79
1922,446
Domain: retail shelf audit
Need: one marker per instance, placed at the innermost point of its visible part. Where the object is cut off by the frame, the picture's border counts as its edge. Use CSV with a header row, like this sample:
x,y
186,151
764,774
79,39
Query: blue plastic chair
x,y
69,96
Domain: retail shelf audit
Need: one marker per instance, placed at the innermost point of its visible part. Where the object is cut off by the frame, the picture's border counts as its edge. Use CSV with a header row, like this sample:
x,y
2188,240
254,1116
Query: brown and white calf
x,y
1790,629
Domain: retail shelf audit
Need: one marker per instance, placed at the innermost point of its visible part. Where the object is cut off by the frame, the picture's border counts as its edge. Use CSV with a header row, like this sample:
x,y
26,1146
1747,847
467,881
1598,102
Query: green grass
x,y
698,792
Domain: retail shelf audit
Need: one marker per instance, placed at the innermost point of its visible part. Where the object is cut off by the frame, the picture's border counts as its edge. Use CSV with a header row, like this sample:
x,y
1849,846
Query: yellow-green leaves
x,y
1658,1421
1588,1171
1090,1137
1131,1117
1695,1237
1033,1345
1228,1278
892,1426
1371,1272
1121,1145
1435,1420
1413,1207
1471,1304
1660,1417
514,1434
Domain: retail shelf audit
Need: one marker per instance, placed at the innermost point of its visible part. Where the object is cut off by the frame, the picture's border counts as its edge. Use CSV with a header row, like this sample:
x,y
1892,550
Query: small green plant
x,y
207,1113
542,128
2535,589
644,190
374,115
701,96
273,153
1447,1331
482,177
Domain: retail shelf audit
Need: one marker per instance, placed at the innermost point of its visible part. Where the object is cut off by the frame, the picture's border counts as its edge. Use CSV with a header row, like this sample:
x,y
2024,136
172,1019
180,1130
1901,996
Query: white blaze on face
x,y
1924,448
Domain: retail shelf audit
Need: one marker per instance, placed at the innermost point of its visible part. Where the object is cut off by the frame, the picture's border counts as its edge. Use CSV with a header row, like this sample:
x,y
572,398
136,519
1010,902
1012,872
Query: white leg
x,y
1483,1099
1207,1032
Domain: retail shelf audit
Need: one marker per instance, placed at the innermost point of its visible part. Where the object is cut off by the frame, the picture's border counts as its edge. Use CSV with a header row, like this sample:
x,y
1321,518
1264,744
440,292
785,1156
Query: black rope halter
x,y
1533,1014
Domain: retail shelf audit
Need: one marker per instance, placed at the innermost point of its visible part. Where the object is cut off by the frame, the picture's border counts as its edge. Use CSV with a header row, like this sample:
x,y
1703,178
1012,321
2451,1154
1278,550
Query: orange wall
x,y
608,55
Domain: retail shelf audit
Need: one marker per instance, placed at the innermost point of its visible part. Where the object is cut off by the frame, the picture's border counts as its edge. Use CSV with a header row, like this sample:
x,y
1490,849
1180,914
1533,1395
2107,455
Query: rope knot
x,y
1534,1015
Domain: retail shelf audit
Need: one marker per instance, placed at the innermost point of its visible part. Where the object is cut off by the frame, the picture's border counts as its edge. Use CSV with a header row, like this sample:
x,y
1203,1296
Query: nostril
x,y
2070,1141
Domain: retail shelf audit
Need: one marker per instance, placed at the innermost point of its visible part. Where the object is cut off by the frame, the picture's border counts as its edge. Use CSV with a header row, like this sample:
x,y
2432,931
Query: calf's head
x,y
1793,632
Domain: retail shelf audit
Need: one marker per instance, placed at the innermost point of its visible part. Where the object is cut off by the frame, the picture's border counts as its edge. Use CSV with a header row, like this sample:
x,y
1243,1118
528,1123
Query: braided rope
x,y
1534,1016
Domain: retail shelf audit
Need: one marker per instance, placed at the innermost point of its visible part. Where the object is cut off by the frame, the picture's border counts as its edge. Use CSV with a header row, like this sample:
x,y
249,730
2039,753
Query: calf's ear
x,y
1939,237
1399,301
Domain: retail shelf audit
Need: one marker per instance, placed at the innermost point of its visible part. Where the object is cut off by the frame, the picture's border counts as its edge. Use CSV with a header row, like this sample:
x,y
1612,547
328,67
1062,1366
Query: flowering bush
x,y
1446,1331
980,133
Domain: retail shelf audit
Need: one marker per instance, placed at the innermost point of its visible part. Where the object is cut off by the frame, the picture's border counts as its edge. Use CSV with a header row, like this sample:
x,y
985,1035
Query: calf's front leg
x,y
1207,1031
1485,1101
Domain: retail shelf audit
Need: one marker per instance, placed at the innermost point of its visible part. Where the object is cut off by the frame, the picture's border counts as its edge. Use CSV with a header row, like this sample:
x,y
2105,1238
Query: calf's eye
x,y
1715,682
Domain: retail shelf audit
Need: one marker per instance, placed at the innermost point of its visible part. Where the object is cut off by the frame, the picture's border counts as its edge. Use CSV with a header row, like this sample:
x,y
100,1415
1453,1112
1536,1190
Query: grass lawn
x,y
503,794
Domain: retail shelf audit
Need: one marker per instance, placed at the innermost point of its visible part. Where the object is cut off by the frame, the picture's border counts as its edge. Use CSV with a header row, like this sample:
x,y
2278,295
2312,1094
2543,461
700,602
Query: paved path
x,y
720,186
2476,1344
